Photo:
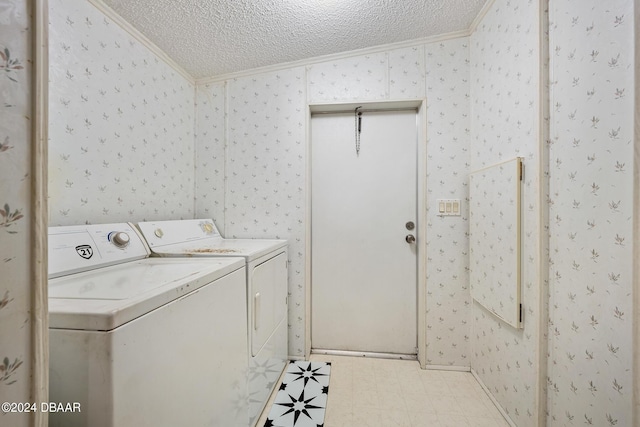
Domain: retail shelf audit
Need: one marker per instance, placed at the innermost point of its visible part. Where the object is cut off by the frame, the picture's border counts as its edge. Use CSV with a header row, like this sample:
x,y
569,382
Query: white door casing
x,y
363,272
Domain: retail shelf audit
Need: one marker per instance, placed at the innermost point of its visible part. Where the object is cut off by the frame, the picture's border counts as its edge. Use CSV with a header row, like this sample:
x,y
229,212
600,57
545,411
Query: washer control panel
x,y
73,249
119,238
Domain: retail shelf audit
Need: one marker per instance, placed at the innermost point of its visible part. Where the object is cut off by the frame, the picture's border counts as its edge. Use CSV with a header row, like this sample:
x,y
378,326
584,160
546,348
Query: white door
x,y
363,271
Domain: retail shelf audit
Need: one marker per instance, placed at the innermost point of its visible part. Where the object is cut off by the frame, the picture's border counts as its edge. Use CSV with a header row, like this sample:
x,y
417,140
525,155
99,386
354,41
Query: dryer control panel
x,y
77,248
165,233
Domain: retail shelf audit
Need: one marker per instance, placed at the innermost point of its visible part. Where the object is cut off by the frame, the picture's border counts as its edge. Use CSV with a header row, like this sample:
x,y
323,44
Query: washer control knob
x,y
119,238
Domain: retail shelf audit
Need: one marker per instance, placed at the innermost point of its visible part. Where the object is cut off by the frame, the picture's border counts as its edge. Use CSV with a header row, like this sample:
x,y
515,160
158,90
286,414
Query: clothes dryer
x,y
267,292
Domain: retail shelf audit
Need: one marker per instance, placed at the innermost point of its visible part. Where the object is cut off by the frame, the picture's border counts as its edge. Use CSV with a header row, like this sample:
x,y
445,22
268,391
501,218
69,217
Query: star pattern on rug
x,y
299,406
301,399
308,373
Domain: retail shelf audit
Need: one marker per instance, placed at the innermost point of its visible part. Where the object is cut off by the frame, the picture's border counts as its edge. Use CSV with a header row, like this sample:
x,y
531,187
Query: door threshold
x,y
369,354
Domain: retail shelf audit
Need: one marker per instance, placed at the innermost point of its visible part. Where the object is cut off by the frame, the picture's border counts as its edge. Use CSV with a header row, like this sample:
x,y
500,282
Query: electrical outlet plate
x,y
448,207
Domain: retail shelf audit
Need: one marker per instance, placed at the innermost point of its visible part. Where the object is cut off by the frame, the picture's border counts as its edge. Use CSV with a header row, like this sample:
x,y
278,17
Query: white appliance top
x,y
103,299
200,237
100,276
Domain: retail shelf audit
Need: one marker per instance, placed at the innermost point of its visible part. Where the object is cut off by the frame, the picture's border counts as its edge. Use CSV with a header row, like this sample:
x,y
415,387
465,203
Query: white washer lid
x,y
103,299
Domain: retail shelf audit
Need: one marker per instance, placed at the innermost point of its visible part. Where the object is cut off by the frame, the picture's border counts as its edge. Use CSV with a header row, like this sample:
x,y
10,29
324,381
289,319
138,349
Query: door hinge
x,y
520,313
521,170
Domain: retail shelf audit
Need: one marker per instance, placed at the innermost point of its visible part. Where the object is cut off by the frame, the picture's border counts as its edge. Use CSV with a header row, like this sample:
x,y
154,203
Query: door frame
x,y
39,222
421,244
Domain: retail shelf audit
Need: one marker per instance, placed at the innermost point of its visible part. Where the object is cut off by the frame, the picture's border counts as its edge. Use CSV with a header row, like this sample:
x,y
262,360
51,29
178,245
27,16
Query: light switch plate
x,y
448,207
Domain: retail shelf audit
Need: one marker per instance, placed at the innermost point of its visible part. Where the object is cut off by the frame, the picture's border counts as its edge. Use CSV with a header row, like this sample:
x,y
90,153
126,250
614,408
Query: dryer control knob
x,y
119,238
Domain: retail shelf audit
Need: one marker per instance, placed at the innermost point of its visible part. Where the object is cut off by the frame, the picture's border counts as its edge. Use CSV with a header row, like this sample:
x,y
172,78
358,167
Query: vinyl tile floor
x,y
385,392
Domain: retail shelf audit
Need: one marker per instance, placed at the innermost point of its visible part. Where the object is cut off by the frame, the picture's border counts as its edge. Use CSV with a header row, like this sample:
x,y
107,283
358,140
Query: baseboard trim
x,y
369,354
493,399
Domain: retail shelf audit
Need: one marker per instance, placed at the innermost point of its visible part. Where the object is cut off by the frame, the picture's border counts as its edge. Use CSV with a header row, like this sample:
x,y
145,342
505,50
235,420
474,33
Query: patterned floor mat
x,y
302,397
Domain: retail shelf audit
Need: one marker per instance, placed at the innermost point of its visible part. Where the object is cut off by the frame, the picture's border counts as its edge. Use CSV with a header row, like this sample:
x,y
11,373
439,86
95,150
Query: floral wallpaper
x,y
448,138
352,79
504,124
591,213
121,124
407,73
15,201
210,139
265,176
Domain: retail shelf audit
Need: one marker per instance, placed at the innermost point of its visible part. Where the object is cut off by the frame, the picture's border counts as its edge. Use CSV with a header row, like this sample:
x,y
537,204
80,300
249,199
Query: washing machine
x,y
267,292
140,341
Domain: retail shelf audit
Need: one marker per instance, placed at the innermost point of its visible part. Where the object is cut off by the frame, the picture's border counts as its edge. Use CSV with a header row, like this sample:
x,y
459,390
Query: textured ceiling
x,y
212,37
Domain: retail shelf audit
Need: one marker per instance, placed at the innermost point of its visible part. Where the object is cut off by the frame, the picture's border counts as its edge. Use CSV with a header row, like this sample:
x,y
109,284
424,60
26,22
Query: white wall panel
x,y
448,138
358,78
121,124
16,115
504,124
591,213
265,173
407,73
210,138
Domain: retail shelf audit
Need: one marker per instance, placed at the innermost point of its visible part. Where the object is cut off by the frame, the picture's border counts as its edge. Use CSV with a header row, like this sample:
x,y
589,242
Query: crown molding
x,y
137,35
483,12
141,38
333,57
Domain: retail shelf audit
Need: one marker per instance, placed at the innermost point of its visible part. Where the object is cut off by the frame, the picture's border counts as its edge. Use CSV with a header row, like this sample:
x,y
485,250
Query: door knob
x,y
410,238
